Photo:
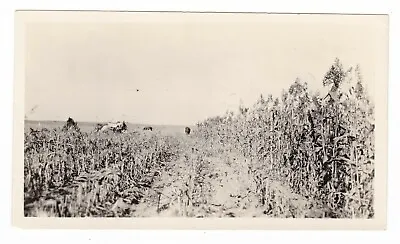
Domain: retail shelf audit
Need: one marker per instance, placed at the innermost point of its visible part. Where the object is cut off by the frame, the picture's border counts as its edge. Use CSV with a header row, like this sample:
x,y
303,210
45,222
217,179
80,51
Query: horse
x,y
187,130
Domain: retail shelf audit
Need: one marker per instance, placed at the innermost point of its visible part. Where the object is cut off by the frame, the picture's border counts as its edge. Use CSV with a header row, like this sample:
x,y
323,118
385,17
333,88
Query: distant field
x,y
89,126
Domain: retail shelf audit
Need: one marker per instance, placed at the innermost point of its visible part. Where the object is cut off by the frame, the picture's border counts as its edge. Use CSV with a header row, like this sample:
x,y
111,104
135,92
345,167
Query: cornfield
x,y
298,155
322,149
90,174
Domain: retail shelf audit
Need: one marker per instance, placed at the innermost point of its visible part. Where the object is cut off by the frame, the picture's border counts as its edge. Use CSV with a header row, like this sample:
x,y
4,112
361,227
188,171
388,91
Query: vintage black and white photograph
x,y
203,115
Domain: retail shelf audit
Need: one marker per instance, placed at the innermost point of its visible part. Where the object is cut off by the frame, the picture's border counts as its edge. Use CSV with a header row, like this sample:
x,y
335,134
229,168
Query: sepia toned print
x,y
197,117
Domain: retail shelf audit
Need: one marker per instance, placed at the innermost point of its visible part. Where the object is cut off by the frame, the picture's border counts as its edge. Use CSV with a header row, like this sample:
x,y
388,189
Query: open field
x,y
300,155
89,126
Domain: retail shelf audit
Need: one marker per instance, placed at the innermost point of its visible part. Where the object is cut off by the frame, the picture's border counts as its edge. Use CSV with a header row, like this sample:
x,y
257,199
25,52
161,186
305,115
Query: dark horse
x,y
187,130
148,128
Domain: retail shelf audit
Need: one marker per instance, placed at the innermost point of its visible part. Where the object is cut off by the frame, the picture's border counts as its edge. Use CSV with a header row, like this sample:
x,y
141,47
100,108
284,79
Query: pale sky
x,y
185,68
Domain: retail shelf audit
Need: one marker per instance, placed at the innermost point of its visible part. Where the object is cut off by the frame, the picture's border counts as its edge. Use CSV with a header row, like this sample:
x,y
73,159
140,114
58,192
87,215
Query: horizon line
x,y
100,122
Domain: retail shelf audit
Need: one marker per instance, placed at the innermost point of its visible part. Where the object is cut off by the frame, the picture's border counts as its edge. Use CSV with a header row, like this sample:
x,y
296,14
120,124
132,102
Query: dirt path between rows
x,y
210,185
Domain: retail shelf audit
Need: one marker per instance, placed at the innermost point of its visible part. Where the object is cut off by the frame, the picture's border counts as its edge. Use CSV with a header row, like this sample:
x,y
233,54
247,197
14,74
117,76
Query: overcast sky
x,y
181,69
